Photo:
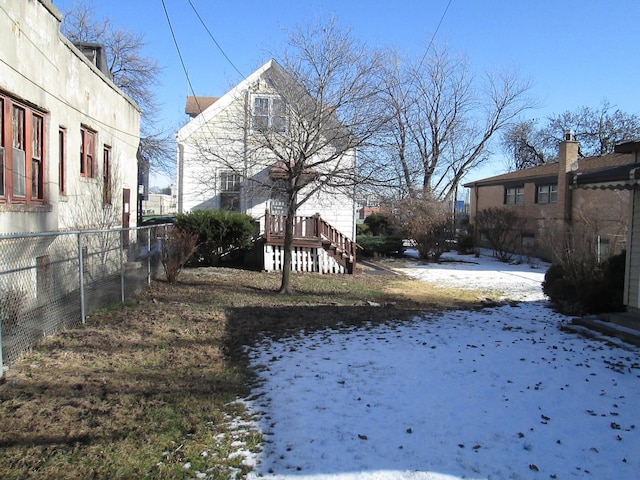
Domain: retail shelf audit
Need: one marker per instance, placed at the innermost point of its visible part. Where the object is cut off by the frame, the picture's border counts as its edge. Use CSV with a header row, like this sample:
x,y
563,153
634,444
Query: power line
x,y
433,37
214,40
175,42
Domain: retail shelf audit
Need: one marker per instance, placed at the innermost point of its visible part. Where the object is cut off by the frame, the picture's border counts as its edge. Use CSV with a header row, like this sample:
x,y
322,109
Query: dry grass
x,y
144,388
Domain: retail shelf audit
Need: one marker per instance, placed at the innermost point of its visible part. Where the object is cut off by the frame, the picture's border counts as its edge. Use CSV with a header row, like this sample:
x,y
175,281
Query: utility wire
x,y
433,37
214,39
175,42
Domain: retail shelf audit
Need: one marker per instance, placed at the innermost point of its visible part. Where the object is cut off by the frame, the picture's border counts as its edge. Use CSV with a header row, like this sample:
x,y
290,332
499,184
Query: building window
x,y
269,114
278,198
547,194
514,196
2,162
229,191
528,240
22,154
62,161
107,194
87,152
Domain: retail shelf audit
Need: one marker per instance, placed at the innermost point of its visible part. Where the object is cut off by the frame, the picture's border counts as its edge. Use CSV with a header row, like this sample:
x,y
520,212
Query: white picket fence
x,y
304,259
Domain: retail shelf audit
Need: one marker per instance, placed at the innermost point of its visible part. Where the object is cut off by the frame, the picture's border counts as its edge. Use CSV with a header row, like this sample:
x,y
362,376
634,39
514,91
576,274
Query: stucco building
x,y
68,136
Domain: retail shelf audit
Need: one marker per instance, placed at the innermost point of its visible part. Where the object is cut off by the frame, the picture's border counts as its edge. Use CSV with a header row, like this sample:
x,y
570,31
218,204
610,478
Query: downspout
x,y
180,185
245,156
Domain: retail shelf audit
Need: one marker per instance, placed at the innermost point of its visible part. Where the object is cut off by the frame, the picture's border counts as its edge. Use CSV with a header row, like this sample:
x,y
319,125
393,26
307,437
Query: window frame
x,y
516,198
88,141
62,160
274,114
107,176
22,175
549,196
230,186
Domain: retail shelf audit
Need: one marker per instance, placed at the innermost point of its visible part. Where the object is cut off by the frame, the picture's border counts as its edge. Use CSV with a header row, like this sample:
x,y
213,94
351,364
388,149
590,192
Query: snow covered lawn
x,y
498,393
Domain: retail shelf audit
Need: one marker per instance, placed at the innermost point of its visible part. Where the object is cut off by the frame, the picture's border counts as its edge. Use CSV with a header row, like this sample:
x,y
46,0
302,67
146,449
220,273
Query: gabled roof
x,y
225,100
586,164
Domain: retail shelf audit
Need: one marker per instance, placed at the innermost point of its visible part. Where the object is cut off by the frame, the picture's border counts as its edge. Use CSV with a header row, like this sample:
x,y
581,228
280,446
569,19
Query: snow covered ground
x,y
500,393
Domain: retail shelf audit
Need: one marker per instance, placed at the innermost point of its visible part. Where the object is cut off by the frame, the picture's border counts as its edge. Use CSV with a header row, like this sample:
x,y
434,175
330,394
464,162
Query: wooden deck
x,y
313,232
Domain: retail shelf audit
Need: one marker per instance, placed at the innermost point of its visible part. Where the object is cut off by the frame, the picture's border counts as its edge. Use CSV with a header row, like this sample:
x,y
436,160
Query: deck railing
x,y
312,231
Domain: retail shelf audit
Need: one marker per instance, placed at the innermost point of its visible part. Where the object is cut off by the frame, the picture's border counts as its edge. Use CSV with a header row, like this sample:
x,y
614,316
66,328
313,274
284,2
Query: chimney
x,y
568,152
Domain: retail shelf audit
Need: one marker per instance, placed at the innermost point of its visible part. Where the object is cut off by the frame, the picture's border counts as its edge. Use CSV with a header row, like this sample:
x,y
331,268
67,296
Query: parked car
x,y
162,220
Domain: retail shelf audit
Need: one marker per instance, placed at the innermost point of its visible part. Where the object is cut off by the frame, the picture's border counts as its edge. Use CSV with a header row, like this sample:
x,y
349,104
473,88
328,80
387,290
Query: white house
x,y
68,136
220,166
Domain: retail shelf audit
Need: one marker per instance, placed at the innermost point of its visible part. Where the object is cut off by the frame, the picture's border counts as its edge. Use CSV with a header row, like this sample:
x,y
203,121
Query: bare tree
x,y
444,118
318,112
530,142
502,229
428,222
522,144
132,71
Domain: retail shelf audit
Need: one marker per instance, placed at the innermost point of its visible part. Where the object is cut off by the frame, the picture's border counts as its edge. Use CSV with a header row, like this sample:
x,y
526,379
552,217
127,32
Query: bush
x,y
501,227
379,224
465,242
177,247
380,245
218,231
599,291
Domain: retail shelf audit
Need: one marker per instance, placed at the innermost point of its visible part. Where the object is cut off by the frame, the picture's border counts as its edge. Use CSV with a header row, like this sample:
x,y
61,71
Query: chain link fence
x,y
55,280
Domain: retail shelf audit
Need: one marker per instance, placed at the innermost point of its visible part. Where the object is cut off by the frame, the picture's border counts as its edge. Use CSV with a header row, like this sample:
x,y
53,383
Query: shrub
x,y
380,224
596,290
177,247
502,228
428,222
380,245
465,241
218,231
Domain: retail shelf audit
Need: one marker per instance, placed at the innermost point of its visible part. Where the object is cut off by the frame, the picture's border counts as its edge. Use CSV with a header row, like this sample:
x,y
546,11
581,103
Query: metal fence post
x,y
149,256
122,265
81,273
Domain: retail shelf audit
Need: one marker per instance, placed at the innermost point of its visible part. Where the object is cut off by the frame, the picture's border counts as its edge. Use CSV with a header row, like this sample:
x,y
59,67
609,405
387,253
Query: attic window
x,y
269,114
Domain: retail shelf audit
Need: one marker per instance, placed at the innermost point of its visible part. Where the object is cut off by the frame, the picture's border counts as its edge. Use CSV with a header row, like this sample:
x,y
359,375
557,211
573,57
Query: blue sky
x,y
576,53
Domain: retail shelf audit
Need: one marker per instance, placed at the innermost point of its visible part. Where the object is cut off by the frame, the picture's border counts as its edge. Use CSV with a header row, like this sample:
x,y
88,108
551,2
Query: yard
x,y
144,389
360,376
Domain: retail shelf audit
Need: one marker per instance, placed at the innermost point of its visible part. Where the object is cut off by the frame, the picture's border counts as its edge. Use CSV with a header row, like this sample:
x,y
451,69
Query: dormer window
x,y
269,114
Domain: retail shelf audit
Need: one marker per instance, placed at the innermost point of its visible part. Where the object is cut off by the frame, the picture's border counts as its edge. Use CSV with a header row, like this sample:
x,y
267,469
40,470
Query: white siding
x,y
221,131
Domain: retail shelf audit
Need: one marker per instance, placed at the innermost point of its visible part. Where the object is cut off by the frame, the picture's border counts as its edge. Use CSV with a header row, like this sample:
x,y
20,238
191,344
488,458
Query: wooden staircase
x,y
313,232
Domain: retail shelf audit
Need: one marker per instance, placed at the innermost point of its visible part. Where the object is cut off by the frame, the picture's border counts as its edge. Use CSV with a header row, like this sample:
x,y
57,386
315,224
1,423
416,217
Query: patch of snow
x,y
497,393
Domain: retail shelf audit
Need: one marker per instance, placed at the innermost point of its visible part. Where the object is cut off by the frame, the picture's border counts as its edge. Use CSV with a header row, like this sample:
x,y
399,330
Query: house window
x,y
514,196
107,194
229,191
62,161
22,155
87,152
528,240
269,114
2,164
278,198
547,194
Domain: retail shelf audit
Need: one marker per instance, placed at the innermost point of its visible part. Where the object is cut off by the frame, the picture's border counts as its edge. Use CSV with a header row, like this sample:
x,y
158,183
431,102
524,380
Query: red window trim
x,y
88,142
6,141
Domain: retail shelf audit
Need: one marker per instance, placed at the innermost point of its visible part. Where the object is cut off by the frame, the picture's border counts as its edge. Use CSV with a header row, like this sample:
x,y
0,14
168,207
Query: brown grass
x,y
143,389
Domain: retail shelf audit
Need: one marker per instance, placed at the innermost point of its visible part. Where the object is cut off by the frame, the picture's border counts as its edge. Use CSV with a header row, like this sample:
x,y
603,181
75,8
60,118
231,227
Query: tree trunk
x,y
285,285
